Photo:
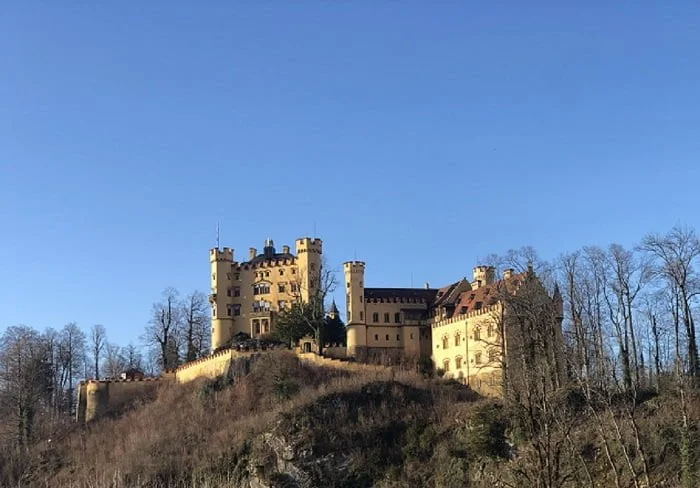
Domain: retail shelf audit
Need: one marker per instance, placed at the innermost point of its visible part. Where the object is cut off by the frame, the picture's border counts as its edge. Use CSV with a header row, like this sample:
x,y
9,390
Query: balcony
x,y
261,314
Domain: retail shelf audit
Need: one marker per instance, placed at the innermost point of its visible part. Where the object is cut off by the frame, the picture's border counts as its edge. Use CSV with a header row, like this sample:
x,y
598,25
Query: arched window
x,y
446,365
477,357
445,342
490,330
458,363
477,333
375,317
457,339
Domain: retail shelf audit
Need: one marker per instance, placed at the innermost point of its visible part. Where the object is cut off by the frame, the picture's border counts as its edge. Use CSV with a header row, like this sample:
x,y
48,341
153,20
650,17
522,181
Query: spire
x,y
333,311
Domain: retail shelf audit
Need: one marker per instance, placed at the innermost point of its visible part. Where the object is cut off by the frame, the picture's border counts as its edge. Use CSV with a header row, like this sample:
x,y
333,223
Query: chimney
x,y
508,273
285,249
252,252
427,285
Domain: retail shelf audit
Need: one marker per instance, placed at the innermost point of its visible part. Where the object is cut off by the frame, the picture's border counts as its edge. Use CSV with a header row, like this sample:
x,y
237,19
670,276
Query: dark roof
x,y
487,295
427,294
274,257
449,295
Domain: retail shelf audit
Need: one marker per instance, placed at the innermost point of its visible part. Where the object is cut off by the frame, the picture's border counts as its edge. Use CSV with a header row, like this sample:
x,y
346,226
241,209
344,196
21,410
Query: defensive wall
x,y
98,398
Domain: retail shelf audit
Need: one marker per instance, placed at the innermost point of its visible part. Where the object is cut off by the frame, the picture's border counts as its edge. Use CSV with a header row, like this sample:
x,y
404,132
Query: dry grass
x,y
402,429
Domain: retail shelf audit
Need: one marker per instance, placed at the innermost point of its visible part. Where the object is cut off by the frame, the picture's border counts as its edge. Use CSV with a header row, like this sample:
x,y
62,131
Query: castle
x,y
246,296
459,327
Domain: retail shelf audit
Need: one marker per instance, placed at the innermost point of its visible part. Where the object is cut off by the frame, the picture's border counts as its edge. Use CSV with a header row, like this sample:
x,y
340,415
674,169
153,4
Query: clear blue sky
x,y
417,136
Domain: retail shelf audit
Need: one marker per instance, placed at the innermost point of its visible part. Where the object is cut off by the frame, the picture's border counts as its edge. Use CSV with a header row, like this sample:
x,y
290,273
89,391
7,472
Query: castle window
x,y
295,287
493,355
446,365
236,291
397,317
267,273
237,276
362,299
477,334
387,337
411,336
228,276
281,288
281,305
228,292
477,306
213,276
347,285
361,317
477,357
445,342
265,326
261,288
398,338
281,272
386,317
489,330
294,271
256,326
228,311
375,317
376,337
213,311
458,363
313,266
236,309
463,310
457,338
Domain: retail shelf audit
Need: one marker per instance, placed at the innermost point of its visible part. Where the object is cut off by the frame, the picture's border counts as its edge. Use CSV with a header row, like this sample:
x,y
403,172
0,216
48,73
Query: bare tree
x,y
308,316
195,318
676,254
98,338
72,355
25,381
163,328
132,356
114,362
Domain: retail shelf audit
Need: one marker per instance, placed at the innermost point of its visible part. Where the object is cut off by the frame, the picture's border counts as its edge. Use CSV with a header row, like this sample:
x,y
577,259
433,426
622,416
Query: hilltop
x,y
290,424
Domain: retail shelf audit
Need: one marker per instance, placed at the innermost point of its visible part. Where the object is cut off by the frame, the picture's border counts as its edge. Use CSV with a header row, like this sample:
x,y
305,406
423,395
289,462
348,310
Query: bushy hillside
x,y
292,425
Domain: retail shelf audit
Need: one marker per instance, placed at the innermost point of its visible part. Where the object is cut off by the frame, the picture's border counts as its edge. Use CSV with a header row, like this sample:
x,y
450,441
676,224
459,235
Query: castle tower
x,y
483,275
354,303
308,266
221,303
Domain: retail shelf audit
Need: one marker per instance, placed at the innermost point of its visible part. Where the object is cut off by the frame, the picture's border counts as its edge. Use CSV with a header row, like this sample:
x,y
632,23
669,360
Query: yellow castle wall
x,y
290,279
472,361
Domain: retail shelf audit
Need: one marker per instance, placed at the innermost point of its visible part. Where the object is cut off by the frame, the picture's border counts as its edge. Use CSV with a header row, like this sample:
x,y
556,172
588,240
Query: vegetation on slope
x,y
288,424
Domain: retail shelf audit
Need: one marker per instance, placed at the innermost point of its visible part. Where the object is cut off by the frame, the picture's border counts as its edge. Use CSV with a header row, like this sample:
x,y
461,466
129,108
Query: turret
x,y
221,303
308,266
354,272
483,275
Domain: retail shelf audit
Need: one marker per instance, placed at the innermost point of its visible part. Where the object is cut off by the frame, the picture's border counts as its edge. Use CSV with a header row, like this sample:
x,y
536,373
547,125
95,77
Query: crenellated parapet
x,y
440,322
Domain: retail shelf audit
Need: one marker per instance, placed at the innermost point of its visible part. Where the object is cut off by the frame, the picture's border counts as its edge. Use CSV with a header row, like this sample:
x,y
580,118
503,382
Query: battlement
x,y
438,322
308,244
119,380
483,275
225,254
354,266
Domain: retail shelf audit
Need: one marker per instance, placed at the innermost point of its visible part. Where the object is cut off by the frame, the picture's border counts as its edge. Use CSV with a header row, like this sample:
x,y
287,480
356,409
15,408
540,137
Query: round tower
x,y
354,304
309,253
221,303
